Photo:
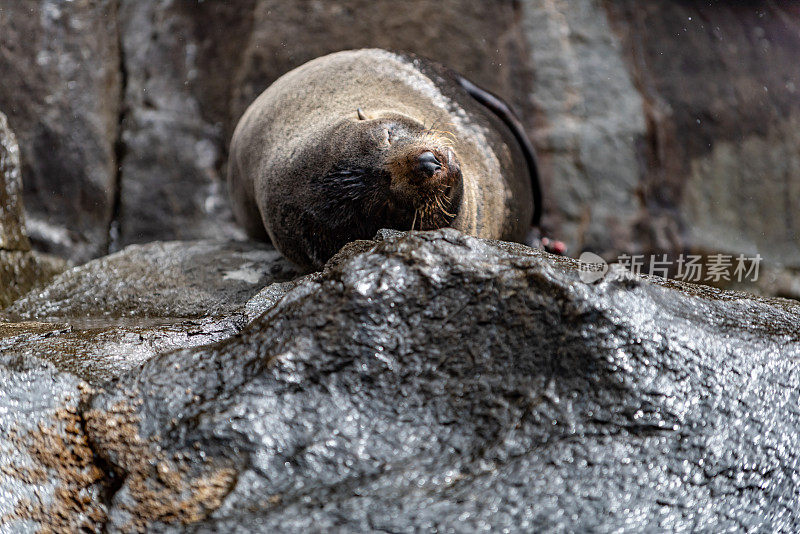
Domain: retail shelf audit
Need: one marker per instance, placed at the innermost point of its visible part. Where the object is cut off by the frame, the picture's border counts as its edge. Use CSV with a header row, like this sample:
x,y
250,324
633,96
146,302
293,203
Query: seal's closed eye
x,y
361,115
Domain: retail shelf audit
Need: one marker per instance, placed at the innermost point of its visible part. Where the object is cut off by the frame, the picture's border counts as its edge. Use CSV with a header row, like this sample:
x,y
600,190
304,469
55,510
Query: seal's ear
x,y
504,112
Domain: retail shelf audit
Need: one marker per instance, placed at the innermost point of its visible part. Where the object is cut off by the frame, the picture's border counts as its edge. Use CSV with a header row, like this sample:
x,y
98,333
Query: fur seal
x,y
360,140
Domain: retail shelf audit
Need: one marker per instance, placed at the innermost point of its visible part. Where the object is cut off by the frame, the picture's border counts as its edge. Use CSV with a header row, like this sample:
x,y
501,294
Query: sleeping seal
x,y
360,140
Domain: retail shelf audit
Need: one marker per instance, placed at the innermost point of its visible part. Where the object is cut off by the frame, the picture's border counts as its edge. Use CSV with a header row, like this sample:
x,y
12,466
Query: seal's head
x,y
375,170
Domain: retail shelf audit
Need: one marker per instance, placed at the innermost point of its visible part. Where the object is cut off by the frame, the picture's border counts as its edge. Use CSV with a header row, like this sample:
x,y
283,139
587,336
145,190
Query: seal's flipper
x,y
504,112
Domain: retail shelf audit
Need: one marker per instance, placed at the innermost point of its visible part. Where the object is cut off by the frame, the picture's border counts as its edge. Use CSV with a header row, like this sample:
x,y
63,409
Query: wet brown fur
x,y
328,153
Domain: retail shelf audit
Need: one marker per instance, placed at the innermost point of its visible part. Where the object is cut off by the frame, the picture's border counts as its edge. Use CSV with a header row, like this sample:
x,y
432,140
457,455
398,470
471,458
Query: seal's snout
x,y
425,182
418,171
427,164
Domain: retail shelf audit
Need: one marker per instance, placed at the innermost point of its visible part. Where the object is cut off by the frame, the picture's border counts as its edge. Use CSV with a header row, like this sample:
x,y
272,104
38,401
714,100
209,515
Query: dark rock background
x,y
661,126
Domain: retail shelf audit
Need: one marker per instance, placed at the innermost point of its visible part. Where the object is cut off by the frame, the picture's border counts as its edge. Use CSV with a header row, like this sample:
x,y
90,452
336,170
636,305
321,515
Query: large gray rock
x,y
61,92
668,128
433,381
591,125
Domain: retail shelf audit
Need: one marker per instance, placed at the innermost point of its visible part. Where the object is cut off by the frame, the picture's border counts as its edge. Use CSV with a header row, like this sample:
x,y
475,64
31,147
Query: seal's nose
x,y
427,164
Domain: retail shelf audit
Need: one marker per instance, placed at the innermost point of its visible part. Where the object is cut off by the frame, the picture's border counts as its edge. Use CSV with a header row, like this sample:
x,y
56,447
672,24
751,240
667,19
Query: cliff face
x,y
661,127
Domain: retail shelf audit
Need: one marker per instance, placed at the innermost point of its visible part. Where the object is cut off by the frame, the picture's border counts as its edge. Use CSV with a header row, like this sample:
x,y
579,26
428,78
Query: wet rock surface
x,y
21,272
161,279
111,314
436,381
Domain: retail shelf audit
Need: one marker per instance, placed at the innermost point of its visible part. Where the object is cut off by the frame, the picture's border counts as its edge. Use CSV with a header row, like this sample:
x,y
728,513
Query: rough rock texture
x,y
20,269
169,279
434,381
21,272
60,90
111,314
669,127
422,381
